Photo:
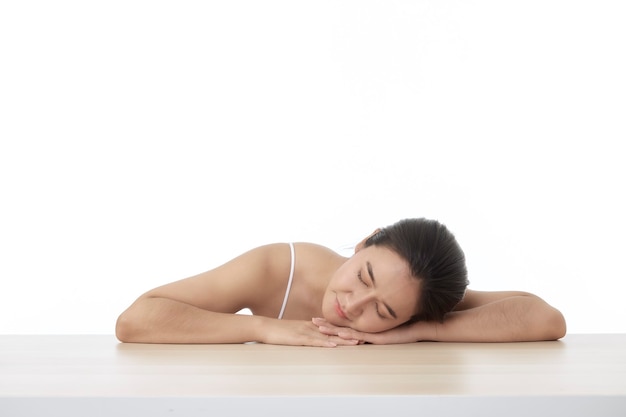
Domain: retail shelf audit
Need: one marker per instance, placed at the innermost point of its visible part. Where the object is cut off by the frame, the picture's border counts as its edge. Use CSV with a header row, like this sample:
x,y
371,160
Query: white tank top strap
x,y
293,266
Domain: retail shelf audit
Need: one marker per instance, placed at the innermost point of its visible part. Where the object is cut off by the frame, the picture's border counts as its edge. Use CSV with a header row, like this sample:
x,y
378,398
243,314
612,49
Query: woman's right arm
x,y
201,309
164,320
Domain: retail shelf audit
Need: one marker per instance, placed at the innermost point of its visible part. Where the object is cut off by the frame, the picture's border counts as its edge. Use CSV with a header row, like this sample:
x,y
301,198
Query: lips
x,y
339,311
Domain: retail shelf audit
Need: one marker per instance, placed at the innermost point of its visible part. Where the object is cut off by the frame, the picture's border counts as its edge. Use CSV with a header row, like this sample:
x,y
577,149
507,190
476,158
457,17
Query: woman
x,y
405,283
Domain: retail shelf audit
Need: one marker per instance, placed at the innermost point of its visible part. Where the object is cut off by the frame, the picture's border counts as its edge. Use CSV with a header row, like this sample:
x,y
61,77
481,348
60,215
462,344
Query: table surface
x,y
99,366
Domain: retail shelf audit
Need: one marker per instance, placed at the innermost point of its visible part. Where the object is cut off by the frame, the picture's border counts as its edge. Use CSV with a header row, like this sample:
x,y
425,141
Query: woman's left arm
x,y
479,317
499,317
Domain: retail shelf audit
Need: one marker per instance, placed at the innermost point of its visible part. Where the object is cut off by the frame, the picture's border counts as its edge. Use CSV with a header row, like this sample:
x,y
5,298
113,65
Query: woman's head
x,y
435,259
413,269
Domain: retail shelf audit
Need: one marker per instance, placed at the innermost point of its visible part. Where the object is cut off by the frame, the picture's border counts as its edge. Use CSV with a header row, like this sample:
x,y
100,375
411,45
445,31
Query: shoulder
x,y
255,279
272,262
276,257
313,249
311,255
315,264
243,282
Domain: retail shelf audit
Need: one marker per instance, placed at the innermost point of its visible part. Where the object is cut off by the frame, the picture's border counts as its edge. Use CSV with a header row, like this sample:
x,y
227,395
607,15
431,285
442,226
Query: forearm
x,y
513,319
162,320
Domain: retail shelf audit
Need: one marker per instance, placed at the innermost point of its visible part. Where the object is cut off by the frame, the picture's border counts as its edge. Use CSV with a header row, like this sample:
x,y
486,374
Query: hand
x,y
299,333
406,333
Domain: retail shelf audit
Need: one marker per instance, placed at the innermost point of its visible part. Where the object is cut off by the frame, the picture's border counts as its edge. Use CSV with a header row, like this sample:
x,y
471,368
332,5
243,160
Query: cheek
x,y
325,305
341,281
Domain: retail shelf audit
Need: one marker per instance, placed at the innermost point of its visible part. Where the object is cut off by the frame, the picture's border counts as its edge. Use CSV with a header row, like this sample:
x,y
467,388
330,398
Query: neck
x,y
315,267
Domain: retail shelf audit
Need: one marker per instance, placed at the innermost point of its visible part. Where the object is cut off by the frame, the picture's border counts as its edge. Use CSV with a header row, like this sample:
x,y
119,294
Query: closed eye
x,y
379,313
361,279
376,304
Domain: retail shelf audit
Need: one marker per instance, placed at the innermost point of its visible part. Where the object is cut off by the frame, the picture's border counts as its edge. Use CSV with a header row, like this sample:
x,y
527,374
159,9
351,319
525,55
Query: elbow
x,y
128,327
139,322
547,323
555,325
542,323
123,328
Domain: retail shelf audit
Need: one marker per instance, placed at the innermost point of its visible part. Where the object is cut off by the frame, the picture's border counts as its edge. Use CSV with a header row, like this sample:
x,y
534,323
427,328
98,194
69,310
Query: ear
x,y
361,244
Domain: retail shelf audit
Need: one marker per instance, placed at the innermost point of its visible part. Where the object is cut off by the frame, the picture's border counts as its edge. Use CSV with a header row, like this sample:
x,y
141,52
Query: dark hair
x,y
434,257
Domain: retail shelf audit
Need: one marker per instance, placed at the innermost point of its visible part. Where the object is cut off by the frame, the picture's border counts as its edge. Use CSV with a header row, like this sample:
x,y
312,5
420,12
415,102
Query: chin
x,y
329,317
335,322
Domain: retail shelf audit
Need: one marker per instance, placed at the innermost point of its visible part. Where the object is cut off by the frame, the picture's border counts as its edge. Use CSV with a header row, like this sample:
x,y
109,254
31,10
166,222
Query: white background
x,y
146,141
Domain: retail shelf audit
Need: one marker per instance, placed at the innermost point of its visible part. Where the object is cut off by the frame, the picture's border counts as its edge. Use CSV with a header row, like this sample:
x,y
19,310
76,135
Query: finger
x,y
343,342
329,330
333,341
373,338
350,334
319,321
345,333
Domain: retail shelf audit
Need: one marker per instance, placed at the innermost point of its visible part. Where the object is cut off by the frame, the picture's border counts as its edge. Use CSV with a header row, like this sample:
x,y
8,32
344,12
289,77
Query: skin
x,y
333,301
355,299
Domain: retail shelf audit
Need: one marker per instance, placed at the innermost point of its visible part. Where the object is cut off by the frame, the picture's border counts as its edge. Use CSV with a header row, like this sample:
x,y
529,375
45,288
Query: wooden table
x,y
581,375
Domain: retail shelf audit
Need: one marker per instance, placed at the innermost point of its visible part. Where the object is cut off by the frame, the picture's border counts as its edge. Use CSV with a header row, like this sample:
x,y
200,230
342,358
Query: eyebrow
x,y
371,272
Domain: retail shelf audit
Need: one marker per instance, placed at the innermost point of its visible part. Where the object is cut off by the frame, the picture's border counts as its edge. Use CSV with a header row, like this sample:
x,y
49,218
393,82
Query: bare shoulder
x,y
316,258
243,282
314,250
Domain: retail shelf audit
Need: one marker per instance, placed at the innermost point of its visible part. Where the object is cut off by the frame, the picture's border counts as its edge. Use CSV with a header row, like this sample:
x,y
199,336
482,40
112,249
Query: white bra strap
x,y
293,265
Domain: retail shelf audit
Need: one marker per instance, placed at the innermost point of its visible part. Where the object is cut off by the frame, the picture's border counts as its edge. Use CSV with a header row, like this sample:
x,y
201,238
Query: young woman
x,y
405,283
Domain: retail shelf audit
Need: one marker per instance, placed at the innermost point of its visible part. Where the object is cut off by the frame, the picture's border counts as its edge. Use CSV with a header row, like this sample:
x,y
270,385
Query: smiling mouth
x,y
339,311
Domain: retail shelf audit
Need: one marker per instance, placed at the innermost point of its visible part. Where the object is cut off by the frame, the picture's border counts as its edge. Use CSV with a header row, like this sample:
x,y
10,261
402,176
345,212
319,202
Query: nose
x,y
356,302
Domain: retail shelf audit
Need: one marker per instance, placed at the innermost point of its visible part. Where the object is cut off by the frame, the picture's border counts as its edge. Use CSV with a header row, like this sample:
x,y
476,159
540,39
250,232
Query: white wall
x,y
145,141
